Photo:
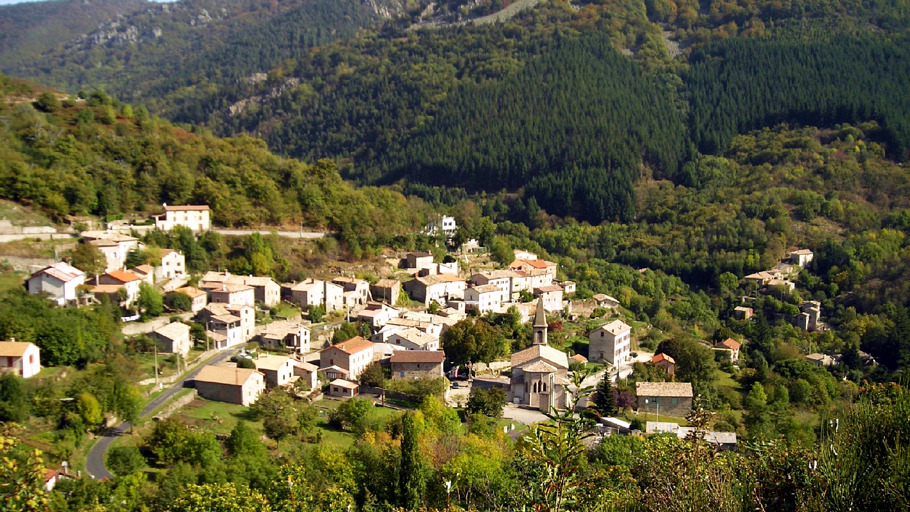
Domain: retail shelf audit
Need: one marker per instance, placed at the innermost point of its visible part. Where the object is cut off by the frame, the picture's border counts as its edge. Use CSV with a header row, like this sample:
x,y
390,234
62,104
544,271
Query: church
x,y
539,372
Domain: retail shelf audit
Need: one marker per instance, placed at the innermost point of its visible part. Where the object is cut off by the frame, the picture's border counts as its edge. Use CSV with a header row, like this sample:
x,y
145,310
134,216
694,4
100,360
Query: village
x,y
246,350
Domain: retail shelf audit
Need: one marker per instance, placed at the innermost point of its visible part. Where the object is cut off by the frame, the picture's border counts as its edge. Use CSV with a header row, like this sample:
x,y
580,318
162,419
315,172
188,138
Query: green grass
x,y
21,216
724,379
217,417
644,417
11,280
285,310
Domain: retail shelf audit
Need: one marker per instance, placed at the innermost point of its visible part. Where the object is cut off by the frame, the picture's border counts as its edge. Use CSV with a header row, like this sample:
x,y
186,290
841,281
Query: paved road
x,y
94,460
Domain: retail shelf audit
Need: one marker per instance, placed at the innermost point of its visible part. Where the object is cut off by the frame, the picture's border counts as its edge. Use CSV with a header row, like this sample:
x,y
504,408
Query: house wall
x,y
411,371
196,220
173,265
279,377
603,346
60,291
181,345
386,294
677,407
26,366
353,363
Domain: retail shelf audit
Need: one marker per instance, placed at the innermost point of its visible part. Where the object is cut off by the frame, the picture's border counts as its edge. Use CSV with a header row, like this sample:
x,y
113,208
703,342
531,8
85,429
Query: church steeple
x,y
540,324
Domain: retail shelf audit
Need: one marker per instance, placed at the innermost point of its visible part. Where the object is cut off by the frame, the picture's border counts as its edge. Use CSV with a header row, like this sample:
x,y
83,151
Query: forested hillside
x,y
192,43
102,157
31,28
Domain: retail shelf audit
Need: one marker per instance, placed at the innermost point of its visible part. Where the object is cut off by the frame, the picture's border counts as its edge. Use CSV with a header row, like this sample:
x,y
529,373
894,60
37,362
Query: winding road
x,y
94,460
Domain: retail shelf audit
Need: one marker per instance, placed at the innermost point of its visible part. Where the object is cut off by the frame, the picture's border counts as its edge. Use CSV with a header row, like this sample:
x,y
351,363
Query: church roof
x,y
538,367
544,352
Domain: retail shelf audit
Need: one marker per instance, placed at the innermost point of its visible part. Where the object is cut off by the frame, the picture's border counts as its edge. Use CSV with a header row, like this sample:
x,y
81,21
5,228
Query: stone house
x,y
194,217
174,338
59,281
246,314
669,398
356,292
265,290
603,300
742,313
241,386
501,279
308,373
20,358
377,315
145,272
317,293
409,365
114,246
386,290
611,343
439,288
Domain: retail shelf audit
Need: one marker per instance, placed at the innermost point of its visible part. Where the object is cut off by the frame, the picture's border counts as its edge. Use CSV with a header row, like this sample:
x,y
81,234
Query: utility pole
x,y
156,363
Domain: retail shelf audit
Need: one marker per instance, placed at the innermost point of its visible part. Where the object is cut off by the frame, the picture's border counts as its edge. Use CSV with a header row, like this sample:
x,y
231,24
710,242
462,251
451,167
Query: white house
x,y
551,295
314,292
439,288
246,314
114,246
611,343
121,278
801,257
483,298
278,370
287,334
352,356
59,281
20,358
230,293
195,217
173,265
356,291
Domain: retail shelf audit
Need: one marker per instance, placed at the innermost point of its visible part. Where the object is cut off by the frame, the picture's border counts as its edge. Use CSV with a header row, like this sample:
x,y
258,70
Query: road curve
x,y
94,459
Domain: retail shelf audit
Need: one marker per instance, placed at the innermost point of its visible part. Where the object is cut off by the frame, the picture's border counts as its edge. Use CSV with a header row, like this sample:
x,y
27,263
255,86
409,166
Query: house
x,y
285,334
414,339
230,293
669,398
439,288
730,346
265,289
52,477
531,265
386,290
551,296
742,313
501,279
442,224
277,370
540,372
127,280
377,314
438,268
611,343
145,272
197,297
568,287
114,246
605,301
760,278
356,292
483,298
809,316
341,388
59,281
317,293
330,373
418,260
241,386
173,265
246,314
174,338
226,331
785,284
666,362
353,356
308,374
821,359
801,257
409,365
194,217
431,326
578,358
20,358
524,255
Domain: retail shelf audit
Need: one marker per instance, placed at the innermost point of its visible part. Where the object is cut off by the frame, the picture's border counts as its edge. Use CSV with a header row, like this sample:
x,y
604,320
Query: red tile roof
x,y
124,276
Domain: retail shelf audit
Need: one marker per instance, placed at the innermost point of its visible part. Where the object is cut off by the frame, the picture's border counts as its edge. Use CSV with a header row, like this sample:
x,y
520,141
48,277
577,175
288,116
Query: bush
x,y
488,402
244,362
355,414
418,390
179,301
125,460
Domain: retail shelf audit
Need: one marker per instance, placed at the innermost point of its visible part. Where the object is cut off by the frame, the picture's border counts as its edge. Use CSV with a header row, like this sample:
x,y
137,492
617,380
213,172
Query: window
x,y
401,374
674,401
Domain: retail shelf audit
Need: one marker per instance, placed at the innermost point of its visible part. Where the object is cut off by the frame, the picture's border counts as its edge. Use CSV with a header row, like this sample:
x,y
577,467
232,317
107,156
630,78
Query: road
x,y
94,460
306,235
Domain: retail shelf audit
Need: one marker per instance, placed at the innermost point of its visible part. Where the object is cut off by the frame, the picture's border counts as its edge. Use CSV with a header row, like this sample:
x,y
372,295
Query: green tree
x,y
354,414
21,476
89,259
603,398
47,102
373,376
488,402
89,408
150,301
471,341
756,417
278,413
14,403
125,460
179,301
411,477
221,497
244,441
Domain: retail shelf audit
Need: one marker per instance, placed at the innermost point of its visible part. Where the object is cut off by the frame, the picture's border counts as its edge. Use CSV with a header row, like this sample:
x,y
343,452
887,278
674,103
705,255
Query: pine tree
x,y
603,398
411,482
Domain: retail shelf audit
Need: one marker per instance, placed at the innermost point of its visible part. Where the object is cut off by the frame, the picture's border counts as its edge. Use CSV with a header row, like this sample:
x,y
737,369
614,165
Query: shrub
x,y
125,460
244,362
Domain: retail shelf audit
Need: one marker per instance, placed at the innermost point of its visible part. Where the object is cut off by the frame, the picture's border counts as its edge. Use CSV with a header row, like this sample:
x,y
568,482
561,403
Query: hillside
x,y
97,156
29,29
